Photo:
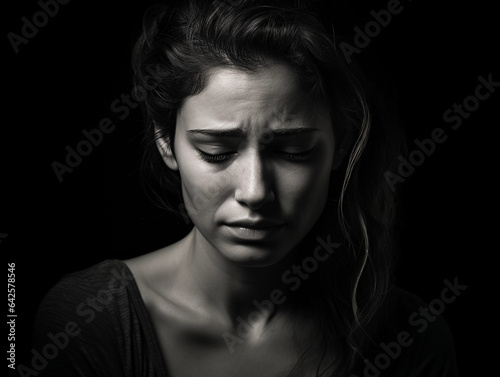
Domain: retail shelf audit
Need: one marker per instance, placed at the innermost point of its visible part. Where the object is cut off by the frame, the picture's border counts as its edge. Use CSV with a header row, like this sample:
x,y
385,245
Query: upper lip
x,y
254,224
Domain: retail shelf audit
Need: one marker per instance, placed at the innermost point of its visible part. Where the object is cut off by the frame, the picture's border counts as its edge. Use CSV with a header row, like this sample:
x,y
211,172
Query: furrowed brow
x,y
237,132
233,132
294,131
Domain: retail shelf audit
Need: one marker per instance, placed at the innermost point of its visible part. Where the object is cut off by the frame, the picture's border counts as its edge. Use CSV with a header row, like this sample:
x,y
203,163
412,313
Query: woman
x,y
260,128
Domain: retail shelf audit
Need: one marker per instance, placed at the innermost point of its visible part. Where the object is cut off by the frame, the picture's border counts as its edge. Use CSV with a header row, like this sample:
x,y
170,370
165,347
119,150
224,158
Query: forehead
x,y
268,97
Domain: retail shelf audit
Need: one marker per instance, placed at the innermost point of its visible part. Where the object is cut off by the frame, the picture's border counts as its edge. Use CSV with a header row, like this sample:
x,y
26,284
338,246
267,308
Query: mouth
x,y
253,231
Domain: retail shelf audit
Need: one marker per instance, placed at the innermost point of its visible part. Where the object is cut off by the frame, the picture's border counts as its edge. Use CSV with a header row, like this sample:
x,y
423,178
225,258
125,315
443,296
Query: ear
x,y
341,149
166,153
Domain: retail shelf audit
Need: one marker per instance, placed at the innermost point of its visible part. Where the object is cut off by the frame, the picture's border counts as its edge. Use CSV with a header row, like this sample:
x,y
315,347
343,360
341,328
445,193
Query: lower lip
x,y
249,234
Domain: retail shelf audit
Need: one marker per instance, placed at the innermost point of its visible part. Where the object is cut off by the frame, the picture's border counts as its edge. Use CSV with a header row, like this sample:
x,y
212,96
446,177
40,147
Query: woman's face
x,y
254,154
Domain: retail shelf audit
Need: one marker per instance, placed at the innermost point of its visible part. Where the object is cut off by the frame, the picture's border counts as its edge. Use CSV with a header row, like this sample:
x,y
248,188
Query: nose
x,y
254,184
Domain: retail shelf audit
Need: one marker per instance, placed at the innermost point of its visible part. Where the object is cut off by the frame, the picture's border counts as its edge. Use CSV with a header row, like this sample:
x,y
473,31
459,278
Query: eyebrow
x,y
237,132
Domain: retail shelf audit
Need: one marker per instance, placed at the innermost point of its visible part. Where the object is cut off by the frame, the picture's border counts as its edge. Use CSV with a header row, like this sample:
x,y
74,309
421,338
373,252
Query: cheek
x,y
310,182
304,191
202,190
202,193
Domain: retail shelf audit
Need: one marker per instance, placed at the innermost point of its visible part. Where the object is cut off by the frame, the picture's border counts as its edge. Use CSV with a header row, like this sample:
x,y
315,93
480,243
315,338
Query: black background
x,y
65,78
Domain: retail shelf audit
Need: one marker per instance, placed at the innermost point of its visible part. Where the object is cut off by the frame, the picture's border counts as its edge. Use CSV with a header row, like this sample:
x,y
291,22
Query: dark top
x,y
95,323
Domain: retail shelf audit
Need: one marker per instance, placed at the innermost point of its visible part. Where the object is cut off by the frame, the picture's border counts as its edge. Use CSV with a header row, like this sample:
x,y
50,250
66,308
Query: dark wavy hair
x,y
181,43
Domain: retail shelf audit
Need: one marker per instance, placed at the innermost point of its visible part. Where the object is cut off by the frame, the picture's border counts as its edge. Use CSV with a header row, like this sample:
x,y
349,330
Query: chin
x,y
253,255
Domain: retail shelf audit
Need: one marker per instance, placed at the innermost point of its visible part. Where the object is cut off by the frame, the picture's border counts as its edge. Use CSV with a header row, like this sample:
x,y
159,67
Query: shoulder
x,y
95,287
104,275
80,321
417,340
421,318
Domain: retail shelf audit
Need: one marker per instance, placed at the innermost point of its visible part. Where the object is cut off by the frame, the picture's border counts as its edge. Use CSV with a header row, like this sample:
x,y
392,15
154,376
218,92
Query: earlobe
x,y
166,153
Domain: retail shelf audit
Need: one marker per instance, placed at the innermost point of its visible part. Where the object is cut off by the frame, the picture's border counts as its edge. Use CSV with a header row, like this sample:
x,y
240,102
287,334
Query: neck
x,y
228,289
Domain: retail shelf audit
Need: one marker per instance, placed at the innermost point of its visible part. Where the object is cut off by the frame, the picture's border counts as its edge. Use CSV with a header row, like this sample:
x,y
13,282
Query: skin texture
x,y
272,168
258,180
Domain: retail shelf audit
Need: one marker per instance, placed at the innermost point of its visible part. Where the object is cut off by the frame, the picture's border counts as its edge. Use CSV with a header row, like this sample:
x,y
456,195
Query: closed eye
x,y
215,158
223,157
302,156
296,156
